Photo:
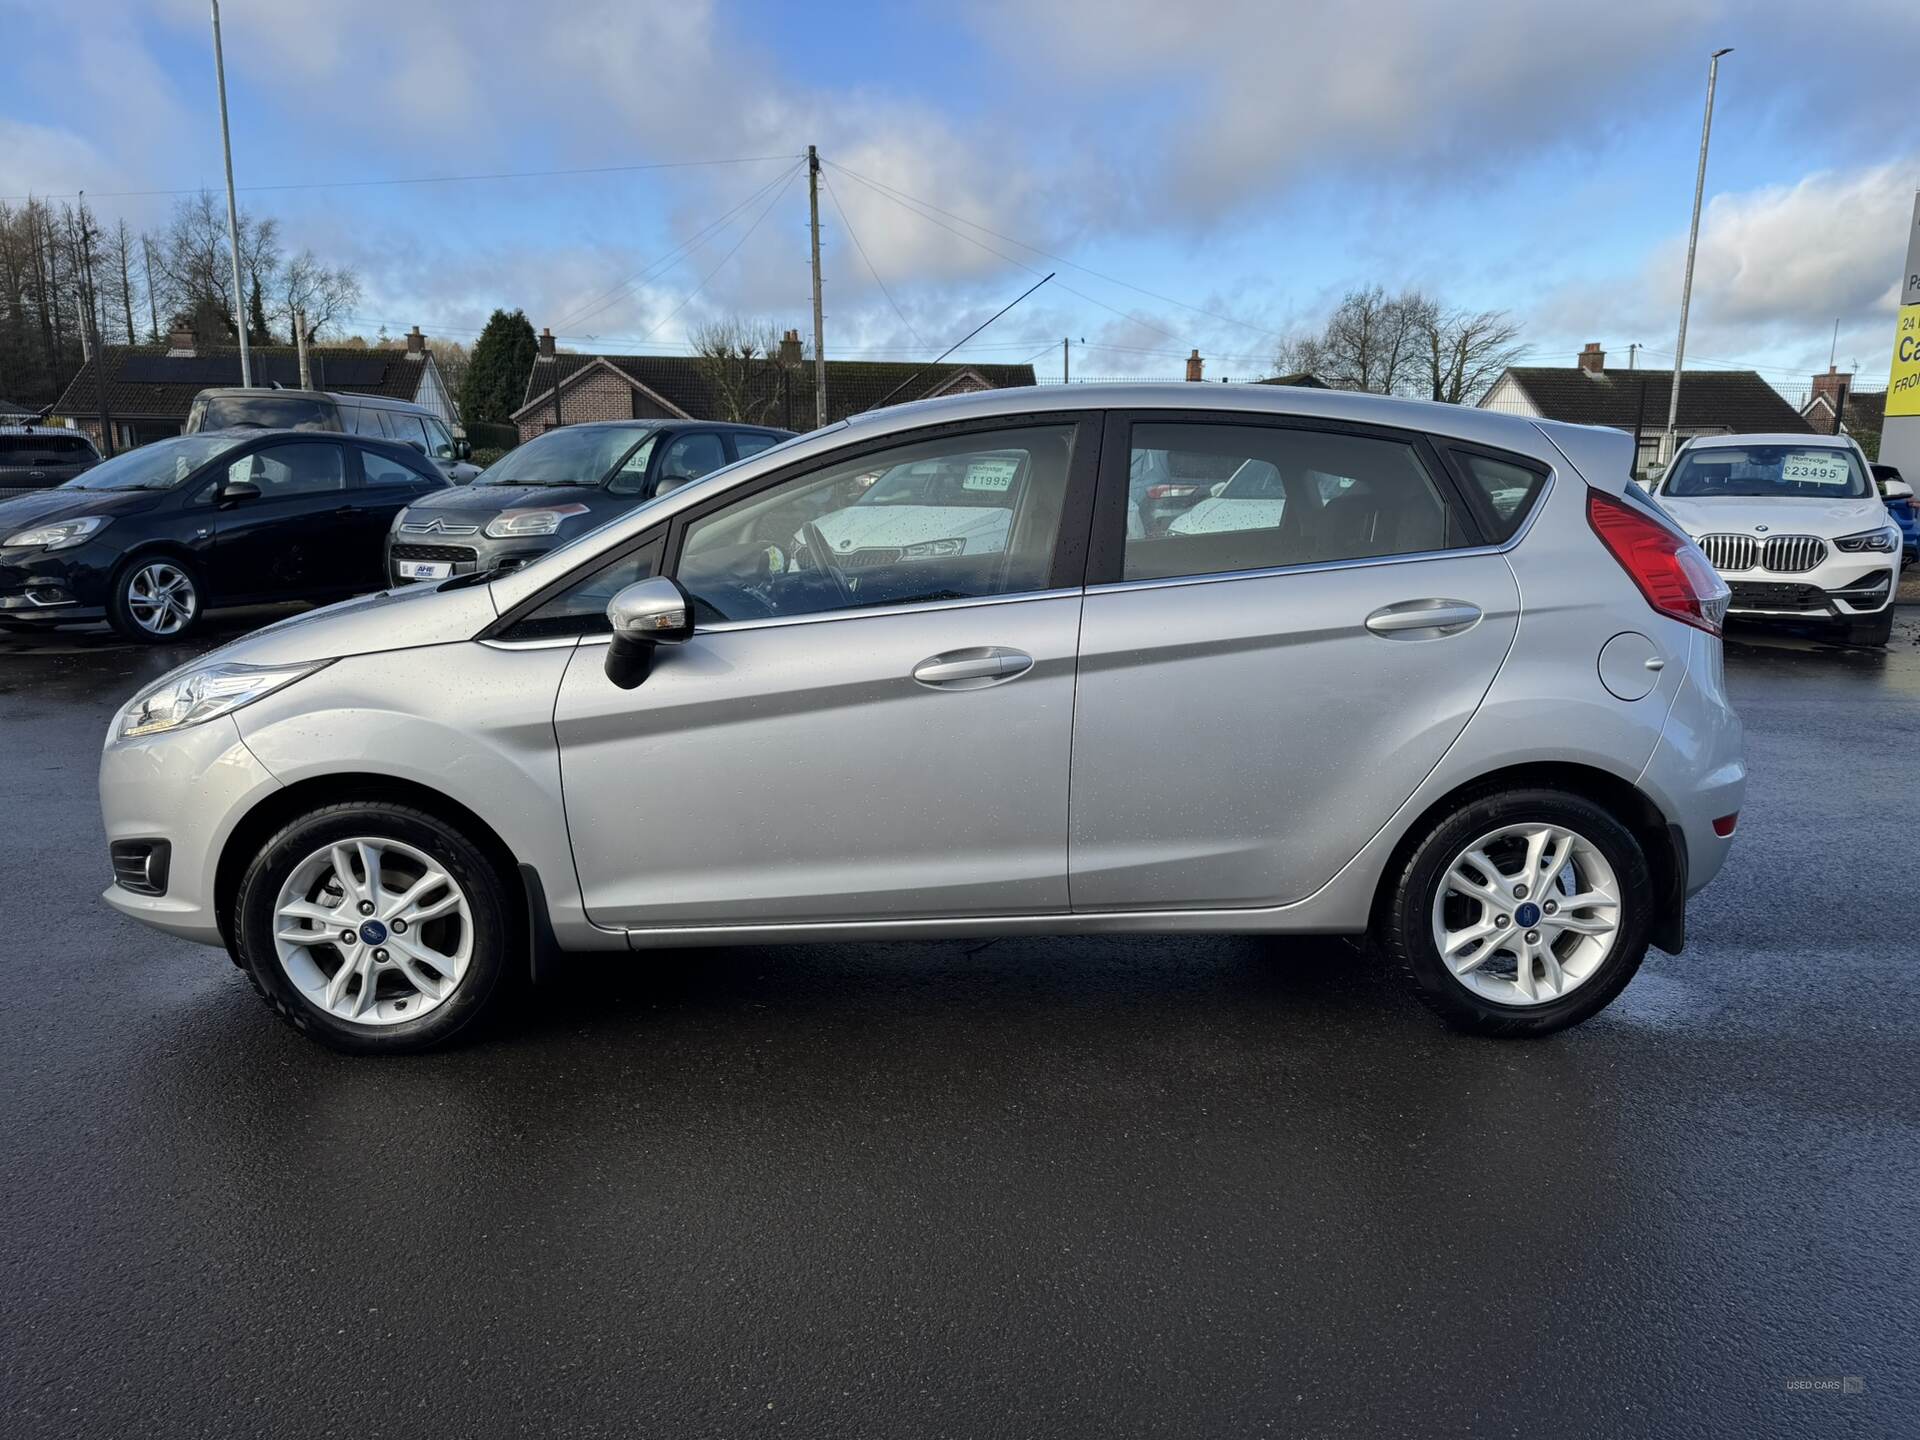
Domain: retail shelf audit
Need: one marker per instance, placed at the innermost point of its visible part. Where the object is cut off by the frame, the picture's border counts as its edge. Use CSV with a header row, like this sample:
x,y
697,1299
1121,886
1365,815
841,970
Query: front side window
x,y
962,517
581,608
285,472
1212,499
1778,472
690,456
439,439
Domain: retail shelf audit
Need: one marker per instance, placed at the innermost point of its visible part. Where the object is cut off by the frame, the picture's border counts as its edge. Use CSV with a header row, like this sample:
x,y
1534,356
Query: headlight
x,y
930,549
61,535
518,524
1882,541
204,694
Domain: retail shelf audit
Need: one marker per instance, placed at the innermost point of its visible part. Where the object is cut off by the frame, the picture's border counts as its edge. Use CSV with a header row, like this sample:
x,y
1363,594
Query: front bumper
x,y
190,789
464,554
54,587
1842,589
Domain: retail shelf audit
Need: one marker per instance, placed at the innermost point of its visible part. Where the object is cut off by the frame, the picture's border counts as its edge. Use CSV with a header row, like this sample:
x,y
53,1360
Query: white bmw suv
x,y
1795,526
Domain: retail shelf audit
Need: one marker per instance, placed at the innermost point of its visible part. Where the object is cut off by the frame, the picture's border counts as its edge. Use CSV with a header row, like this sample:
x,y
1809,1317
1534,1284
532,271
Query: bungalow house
x,y
774,391
1712,402
1863,414
150,388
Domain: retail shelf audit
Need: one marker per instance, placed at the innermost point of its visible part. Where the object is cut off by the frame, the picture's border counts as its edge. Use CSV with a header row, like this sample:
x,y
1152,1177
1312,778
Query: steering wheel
x,y
823,557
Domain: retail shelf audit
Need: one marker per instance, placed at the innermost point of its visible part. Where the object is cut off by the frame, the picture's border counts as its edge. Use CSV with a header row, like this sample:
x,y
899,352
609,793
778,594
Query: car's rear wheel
x,y
155,599
1874,630
1521,913
377,929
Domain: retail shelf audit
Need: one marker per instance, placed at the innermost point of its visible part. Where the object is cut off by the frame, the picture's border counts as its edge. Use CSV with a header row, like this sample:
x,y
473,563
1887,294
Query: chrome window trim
x,y
1315,567
543,642
863,612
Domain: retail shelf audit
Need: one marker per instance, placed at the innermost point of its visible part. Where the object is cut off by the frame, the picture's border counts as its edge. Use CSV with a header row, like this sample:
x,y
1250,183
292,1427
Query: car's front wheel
x,y
375,928
1523,912
156,598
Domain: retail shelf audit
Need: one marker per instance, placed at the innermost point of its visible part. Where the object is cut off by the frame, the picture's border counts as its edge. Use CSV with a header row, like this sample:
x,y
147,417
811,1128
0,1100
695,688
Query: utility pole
x,y
1633,351
1066,362
819,321
233,211
92,323
1693,240
300,347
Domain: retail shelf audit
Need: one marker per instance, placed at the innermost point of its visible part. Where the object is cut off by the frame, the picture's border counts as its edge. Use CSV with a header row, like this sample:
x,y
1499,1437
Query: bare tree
x,y
324,295
740,360
195,272
1372,341
1467,351
120,257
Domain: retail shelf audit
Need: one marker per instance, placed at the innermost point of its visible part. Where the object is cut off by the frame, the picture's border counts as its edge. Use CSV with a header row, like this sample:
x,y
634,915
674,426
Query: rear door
x,y
387,485
1262,687
297,538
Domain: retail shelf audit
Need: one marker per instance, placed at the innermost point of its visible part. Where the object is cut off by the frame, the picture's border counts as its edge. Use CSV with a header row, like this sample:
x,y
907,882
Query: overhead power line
x,y
600,302
748,235
854,236
1063,260
422,179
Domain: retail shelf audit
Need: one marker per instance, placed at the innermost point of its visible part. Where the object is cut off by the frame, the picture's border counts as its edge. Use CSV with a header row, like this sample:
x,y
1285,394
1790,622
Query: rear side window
x,y
746,443
1213,499
1509,487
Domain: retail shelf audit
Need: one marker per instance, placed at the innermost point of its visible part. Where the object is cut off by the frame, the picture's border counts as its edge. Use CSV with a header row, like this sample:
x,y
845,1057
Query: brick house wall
x,y
600,396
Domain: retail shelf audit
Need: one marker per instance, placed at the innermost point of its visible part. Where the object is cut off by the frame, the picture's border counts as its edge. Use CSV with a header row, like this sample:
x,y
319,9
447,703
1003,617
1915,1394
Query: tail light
x,y
1668,567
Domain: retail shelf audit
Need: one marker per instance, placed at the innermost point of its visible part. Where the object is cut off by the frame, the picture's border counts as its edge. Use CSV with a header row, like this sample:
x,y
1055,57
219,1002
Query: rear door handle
x,y
1420,619
973,669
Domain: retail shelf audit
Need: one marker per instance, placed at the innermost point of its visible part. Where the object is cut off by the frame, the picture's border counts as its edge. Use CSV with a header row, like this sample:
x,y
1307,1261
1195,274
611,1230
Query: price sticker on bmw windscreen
x,y
992,473
1820,467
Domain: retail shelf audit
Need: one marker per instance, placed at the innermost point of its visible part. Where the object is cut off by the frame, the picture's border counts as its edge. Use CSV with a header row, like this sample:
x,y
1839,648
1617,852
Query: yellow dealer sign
x,y
1903,389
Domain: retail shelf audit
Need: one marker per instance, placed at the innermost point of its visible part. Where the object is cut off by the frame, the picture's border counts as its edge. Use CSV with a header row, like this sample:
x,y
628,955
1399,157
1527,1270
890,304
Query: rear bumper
x,y
1698,771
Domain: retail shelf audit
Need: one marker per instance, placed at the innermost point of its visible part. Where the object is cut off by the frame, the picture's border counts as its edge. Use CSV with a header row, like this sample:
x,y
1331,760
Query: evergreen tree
x,y
496,378
257,332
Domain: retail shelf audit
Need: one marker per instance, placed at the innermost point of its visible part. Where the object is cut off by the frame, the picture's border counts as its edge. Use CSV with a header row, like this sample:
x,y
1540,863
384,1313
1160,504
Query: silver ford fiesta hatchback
x,y
1358,666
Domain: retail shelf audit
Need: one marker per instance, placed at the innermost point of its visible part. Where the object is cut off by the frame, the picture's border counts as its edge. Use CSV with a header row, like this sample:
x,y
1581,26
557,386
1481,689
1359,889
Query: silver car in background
x,y
1451,683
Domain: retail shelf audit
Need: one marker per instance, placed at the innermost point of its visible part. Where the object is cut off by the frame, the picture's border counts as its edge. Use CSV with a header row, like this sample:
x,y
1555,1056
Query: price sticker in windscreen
x,y
1816,468
992,472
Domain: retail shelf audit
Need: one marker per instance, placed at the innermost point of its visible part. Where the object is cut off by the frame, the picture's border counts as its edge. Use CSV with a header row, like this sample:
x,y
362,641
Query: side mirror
x,y
1896,489
463,449
1217,489
419,445
236,492
646,615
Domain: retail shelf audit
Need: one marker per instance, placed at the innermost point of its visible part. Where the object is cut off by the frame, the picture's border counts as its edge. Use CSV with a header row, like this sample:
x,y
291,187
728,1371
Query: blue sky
x,y
1218,173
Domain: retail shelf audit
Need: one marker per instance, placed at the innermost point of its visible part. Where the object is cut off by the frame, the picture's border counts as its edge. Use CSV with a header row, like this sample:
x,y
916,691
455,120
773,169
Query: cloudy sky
x,y
1207,176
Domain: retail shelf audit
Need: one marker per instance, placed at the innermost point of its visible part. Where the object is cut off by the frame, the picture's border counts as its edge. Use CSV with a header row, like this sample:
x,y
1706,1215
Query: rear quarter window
x,y
1508,485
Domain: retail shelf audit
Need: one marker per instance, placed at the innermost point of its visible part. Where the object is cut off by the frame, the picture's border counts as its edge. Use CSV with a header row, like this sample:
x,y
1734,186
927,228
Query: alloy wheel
x,y
373,931
1526,914
161,598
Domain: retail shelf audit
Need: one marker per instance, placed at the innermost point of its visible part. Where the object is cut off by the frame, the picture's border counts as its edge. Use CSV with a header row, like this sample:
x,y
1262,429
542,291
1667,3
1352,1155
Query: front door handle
x,y
973,669
1421,619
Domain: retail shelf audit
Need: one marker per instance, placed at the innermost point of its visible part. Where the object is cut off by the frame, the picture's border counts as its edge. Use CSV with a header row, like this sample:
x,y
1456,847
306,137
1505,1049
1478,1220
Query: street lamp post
x,y
1693,240
233,212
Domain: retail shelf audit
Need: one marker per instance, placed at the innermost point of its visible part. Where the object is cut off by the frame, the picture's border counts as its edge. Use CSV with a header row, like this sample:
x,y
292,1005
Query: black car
x,y
38,457
152,539
559,485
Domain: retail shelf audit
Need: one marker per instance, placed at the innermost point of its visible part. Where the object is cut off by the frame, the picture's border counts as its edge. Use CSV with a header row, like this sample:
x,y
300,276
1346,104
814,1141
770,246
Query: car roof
x,y
1770,437
343,397
1463,422
45,430
668,425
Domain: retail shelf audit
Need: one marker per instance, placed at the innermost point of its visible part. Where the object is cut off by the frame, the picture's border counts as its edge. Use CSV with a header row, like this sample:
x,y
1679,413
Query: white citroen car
x,y
1794,524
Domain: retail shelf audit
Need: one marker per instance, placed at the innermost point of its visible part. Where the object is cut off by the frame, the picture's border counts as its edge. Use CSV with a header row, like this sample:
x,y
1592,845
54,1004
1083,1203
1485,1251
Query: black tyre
x,y
1523,912
156,599
378,929
1874,630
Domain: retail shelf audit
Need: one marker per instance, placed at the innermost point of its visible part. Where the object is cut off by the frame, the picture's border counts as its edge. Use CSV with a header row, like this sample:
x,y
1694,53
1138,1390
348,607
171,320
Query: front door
x,y
1268,673
292,539
857,731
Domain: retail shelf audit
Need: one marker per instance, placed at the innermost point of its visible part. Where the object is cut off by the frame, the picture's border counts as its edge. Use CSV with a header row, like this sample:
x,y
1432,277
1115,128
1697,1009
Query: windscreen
x,y
1810,472
575,455
266,411
159,466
